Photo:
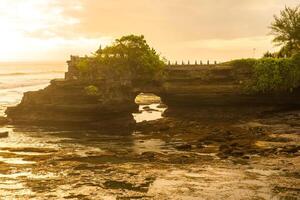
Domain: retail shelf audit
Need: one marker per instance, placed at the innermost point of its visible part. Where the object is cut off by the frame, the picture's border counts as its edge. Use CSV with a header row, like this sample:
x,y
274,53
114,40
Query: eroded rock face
x,y
190,86
68,102
183,86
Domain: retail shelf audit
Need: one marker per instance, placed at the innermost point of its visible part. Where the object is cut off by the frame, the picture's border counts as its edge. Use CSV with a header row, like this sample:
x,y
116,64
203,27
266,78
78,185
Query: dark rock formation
x,y
183,86
216,86
68,102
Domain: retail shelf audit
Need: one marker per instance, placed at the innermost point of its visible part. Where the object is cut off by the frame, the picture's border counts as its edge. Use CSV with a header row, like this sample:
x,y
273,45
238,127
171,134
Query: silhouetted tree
x,y
286,29
268,54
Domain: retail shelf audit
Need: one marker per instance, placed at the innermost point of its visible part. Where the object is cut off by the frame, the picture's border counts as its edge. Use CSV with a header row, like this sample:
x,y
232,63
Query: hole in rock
x,y
150,107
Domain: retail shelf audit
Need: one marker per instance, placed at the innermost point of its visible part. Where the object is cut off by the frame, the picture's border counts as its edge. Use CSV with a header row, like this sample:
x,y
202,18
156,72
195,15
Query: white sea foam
x,y
14,81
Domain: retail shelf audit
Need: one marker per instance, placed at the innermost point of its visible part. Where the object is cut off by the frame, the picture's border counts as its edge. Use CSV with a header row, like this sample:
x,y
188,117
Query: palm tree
x,y
286,29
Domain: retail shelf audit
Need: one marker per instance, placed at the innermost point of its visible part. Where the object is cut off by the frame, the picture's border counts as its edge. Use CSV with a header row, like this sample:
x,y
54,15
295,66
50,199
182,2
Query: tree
x,y
268,54
131,56
286,29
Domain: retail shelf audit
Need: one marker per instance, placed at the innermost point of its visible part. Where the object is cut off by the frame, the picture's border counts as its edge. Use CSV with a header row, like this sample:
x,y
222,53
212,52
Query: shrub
x,y
243,63
83,65
269,75
273,75
91,90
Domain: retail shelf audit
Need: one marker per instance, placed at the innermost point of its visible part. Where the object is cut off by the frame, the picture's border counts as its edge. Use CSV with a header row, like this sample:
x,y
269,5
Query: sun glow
x,y
30,30
53,29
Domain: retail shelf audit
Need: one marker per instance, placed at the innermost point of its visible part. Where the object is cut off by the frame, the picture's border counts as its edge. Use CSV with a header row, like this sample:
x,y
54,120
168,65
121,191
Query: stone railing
x,y
196,63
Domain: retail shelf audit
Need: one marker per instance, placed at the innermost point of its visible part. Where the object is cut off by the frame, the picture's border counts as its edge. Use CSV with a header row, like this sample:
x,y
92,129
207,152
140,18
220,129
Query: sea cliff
x,y
113,100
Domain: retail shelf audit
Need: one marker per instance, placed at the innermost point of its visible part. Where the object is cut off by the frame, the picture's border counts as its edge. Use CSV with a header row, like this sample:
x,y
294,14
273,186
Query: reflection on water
x,y
154,145
35,161
17,161
149,112
57,163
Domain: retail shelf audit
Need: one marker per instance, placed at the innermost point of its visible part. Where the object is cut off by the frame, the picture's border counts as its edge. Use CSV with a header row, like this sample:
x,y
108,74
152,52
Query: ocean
x,y
17,79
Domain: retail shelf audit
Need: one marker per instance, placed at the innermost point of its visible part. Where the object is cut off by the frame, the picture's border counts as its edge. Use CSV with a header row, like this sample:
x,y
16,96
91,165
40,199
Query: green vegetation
x,y
270,75
92,90
276,75
243,64
279,71
286,29
129,57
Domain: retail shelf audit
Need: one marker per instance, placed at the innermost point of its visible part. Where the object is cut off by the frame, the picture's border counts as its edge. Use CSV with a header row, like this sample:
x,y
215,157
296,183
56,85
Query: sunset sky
x,y
51,30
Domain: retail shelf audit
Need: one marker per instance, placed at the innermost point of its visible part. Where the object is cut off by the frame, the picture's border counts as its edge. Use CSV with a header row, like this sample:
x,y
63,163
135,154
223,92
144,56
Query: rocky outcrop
x,y
68,101
216,86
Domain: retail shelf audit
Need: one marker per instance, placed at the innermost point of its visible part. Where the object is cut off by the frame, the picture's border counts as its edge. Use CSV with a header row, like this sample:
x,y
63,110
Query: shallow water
x,y
58,163
14,81
38,162
153,112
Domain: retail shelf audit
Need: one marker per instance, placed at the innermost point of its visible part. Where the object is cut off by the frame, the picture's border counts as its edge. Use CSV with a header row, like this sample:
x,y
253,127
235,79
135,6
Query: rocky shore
x,y
234,156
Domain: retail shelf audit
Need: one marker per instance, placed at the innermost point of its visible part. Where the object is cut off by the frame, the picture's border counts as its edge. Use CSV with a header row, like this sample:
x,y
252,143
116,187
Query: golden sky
x,y
51,30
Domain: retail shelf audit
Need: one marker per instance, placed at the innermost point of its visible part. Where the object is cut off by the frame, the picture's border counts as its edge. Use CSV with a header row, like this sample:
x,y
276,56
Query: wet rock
x,y
279,139
227,151
246,157
291,149
222,156
4,134
184,147
123,185
162,105
148,109
148,155
73,196
253,151
163,127
184,159
193,123
200,146
240,161
237,153
297,154
207,142
224,147
235,144
220,139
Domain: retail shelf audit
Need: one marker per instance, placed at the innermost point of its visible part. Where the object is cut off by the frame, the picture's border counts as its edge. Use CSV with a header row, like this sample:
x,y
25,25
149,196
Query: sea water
x,y
17,79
